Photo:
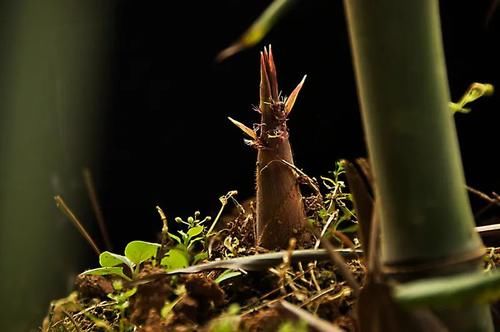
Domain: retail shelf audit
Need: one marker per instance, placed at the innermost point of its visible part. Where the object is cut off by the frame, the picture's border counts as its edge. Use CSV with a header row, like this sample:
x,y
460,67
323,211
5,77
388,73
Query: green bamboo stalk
x,y
426,220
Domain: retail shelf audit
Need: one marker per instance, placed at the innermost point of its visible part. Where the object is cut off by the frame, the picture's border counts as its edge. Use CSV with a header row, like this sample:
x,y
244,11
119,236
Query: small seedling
x,y
136,253
337,206
121,296
180,255
167,309
185,252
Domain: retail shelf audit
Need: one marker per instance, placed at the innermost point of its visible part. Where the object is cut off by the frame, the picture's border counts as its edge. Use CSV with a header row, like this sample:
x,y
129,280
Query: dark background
x,y
166,140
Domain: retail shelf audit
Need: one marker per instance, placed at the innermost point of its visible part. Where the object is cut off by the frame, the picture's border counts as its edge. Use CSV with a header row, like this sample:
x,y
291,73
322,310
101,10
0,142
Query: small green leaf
x,y
175,237
323,214
103,271
117,285
295,326
175,258
108,259
234,309
200,256
123,296
140,251
228,274
194,231
193,241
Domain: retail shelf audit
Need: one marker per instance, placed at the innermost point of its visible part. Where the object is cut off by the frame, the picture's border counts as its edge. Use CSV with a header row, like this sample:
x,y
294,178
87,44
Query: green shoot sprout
x,y
475,91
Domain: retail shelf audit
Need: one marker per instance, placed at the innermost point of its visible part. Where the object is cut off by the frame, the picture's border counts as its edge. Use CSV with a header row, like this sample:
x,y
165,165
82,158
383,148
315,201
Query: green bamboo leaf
x,y
102,271
109,259
459,290
140,251
200,256
259,29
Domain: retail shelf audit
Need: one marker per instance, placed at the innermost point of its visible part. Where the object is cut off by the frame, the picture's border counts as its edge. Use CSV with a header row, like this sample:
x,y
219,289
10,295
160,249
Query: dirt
x,y
153,322
266,320
204,290
89,286
202,300
150,296
196,302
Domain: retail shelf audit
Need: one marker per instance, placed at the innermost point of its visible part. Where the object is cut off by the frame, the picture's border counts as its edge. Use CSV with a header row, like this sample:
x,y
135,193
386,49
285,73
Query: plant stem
x,y
61,205
426,221
280,210
92,192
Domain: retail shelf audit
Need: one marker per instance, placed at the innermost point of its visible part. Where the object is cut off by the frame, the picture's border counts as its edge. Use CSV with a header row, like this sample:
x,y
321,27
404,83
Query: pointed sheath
x,y
280,209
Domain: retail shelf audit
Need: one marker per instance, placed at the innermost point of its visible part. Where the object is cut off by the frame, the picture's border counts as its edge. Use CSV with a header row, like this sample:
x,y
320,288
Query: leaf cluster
x,y
337,211
182,251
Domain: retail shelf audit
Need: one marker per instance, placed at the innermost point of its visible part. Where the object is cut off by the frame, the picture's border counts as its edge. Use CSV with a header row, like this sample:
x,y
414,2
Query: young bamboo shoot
x,y
280,210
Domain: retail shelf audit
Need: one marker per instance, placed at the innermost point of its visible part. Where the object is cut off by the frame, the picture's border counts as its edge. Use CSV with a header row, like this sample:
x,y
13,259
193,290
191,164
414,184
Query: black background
x,y
166,140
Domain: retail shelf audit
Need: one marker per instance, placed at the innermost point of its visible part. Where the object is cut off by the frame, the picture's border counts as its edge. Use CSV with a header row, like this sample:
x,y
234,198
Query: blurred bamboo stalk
x,y
51,78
